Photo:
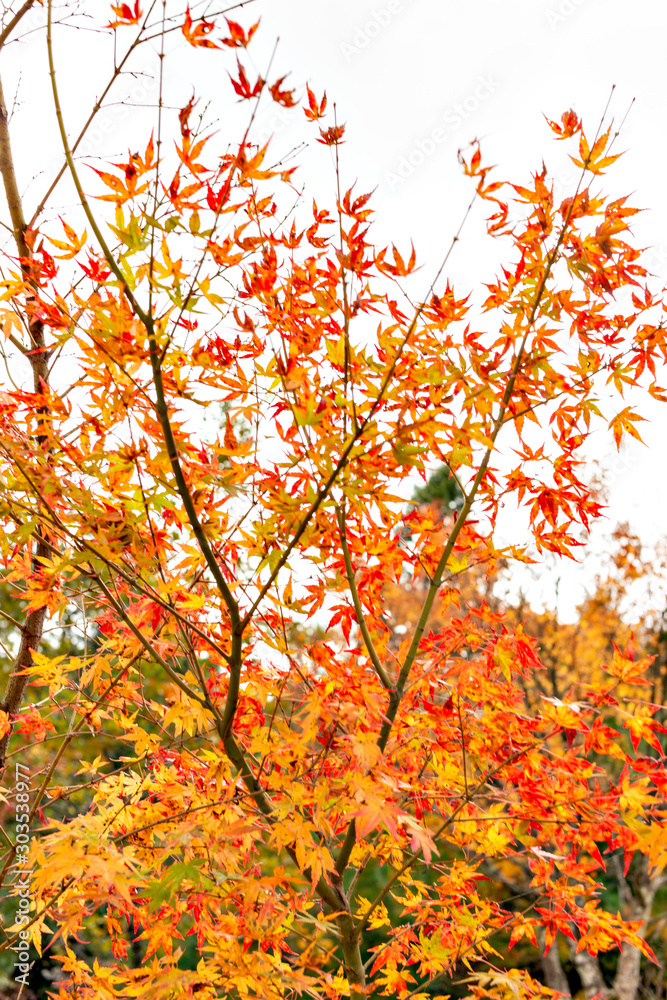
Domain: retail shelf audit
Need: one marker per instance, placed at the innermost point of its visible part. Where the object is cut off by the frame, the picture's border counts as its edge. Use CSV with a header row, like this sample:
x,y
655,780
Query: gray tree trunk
x,y
554,977
637,893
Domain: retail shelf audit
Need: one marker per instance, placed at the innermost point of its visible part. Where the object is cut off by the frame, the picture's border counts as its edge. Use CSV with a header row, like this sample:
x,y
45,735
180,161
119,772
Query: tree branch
x,y
38,358
17,18
361,621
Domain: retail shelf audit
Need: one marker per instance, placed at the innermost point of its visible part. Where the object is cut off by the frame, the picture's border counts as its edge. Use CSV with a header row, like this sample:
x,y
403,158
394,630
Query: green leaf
x,y
164,889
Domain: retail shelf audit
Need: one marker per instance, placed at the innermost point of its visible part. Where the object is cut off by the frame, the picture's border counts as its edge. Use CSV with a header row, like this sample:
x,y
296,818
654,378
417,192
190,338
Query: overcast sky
x,y
414,80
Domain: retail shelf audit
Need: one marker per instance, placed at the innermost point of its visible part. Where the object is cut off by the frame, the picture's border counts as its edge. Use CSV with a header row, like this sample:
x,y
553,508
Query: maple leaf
x,y
399,268
569,125
125,14
591,158
576,207
623,423
280,96
197,32
32,724
644,727
171,880
5,723
315,110
73,247
242,85
655,843
331,136
472,167
238,38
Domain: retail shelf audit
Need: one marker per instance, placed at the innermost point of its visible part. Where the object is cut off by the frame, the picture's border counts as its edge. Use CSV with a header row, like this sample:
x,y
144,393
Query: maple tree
x,y
311,812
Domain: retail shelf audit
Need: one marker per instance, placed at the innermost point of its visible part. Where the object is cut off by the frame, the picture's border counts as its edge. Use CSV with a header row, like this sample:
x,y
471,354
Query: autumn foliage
x,y
213,506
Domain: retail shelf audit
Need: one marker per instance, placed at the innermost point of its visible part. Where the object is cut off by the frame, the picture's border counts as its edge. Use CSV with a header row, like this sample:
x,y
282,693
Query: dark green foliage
x,y
441,487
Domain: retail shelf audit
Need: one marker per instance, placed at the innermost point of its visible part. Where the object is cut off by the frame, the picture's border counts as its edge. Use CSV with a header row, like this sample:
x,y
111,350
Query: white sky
x,y
399,70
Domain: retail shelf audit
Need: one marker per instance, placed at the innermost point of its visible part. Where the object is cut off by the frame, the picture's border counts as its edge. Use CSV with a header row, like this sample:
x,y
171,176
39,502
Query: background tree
x,y
613,615
441,488
265,781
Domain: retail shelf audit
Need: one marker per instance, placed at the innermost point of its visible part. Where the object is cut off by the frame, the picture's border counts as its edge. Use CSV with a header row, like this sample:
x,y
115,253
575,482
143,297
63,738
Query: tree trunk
x,y
637,891
552,970
590,972
38,358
